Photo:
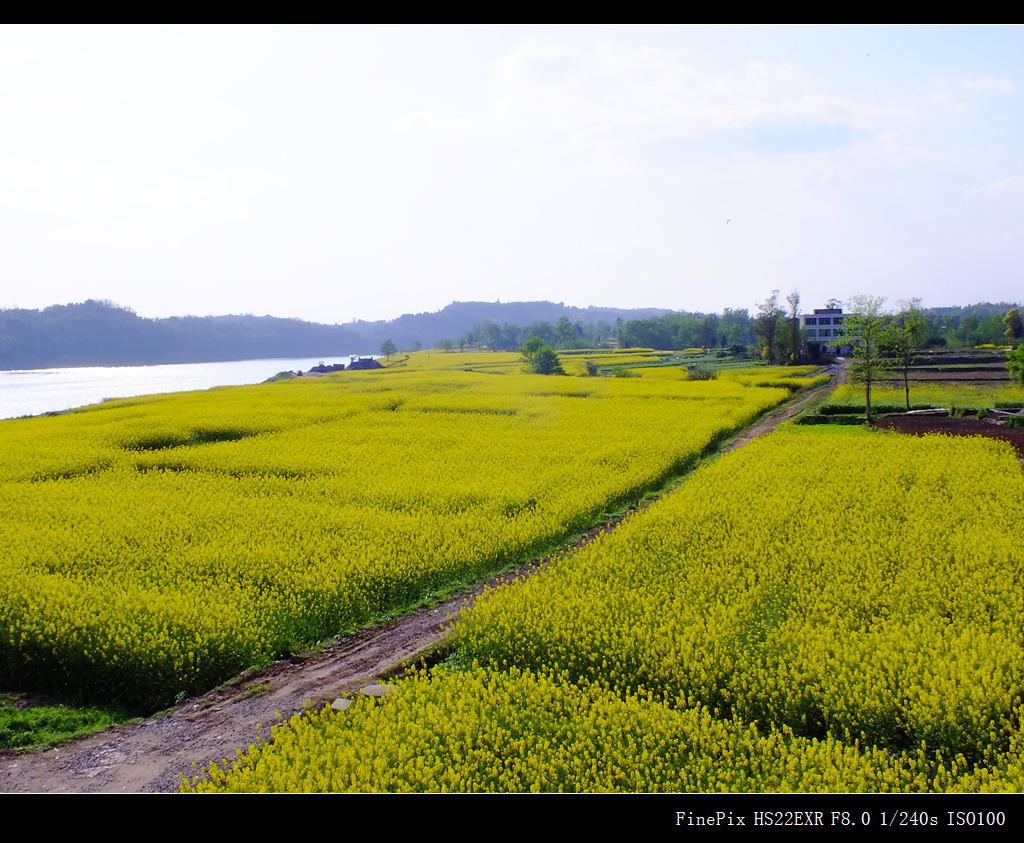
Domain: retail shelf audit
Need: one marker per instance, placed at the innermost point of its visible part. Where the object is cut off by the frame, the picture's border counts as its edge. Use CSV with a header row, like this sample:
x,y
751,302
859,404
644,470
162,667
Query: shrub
x,y
1015,364
545,362
701,373
540,358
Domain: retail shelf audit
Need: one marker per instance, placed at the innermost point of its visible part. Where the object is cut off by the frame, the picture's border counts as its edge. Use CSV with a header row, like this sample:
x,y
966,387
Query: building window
x,y
810,320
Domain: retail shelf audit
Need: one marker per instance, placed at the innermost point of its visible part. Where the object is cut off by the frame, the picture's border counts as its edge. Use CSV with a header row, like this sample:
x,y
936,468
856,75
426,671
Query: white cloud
x,y
987,83
1012,184
419,122
958,95
613,99
452,163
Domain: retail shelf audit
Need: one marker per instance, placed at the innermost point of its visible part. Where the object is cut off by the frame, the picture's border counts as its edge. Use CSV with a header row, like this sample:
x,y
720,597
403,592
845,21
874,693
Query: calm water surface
x,y
34,391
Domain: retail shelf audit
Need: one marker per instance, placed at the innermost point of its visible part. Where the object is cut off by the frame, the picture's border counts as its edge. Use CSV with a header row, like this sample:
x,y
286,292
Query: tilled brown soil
x,y
919,425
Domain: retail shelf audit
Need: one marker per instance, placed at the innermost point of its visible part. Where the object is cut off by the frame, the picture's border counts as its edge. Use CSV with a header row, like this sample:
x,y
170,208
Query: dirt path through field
x,y
151,756
774,419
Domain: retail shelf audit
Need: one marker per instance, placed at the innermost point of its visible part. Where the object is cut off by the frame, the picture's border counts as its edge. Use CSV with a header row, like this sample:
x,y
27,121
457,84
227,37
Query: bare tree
x,y
903,337
767,322
794,325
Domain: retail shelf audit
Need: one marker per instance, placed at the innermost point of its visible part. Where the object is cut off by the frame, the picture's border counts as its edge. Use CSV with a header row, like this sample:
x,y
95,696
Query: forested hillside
x,y
99,333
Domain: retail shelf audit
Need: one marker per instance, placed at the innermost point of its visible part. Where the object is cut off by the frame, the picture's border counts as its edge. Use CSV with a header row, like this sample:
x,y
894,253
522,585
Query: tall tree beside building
x,y
794,325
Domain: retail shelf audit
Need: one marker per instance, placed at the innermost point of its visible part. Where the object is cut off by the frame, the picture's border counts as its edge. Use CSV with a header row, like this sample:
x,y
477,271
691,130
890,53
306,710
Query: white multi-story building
x,y
822,327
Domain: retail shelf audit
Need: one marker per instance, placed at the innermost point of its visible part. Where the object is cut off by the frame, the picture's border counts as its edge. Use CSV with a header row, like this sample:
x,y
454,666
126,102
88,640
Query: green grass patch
x,y
884,399
27,726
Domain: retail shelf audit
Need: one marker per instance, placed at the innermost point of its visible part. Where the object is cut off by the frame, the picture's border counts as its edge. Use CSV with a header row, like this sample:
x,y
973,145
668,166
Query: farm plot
x,y
889,399
154,547
825,609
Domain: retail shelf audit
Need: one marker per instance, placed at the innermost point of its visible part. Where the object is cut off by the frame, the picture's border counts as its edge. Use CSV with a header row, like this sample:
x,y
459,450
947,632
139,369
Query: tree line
x,y
780,337
879,342
99,333
564,335
670,331
773,332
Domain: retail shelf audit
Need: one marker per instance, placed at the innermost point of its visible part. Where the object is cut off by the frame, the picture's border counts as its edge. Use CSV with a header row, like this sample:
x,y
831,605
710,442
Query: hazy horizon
x,y
335,174
805,307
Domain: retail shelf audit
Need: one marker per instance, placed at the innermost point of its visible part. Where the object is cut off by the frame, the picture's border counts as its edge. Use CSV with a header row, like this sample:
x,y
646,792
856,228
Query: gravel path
x,y
152,755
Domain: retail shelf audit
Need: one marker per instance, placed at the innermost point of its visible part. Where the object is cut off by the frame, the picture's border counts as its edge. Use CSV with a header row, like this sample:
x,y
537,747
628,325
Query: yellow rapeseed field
x,y
823,610
153,547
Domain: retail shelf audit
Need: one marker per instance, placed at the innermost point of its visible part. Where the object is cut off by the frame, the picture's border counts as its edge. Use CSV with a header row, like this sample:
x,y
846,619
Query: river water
x,y
33,391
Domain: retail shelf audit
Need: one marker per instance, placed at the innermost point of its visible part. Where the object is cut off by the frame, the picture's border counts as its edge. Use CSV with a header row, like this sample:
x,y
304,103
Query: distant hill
x,y
460,318
97,333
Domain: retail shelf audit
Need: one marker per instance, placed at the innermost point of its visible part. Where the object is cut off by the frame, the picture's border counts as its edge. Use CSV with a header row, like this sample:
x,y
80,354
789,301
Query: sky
x,y
342,173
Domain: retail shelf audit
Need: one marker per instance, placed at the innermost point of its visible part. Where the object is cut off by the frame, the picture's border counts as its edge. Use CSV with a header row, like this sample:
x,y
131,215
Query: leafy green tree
x,y
531,346
509,336
492,335
991,330
904,335
707,330
736,326
864,330
387,348
445,345
546,362
540,358
966,332
1014,326
543,329
1015,363
565,332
